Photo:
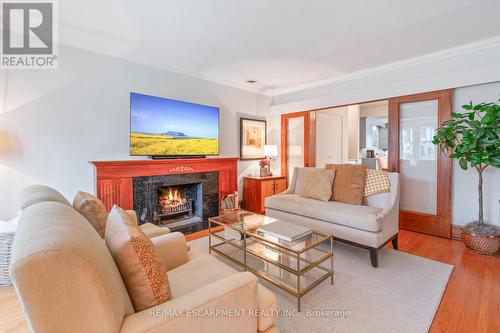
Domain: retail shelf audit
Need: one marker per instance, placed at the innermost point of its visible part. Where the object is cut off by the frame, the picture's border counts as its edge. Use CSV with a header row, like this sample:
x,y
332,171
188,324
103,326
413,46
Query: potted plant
x,y
473,137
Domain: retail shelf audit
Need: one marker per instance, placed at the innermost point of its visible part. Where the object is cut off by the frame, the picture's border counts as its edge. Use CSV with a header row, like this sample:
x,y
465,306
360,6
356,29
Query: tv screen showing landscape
x,y
166,127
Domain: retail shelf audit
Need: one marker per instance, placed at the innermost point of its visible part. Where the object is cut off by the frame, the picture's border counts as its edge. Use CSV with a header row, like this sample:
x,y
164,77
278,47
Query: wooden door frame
x,y
309,139
439,224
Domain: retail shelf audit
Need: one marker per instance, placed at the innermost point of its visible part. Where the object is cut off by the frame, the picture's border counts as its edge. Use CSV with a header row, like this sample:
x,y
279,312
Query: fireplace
x,y
181,202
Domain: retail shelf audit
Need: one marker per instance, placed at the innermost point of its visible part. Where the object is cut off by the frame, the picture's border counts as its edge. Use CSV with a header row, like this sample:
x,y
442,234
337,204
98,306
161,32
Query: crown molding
x,y
394,66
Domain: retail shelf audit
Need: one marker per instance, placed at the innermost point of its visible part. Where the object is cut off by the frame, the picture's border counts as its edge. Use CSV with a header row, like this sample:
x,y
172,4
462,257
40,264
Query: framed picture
x,y
252,138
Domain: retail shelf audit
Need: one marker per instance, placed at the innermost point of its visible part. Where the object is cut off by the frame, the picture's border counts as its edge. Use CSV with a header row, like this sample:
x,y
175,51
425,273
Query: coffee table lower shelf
x,y
297,272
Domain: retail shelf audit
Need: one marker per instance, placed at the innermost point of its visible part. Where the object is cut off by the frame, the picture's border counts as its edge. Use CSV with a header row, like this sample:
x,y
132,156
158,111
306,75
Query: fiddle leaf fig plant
x,y
473,138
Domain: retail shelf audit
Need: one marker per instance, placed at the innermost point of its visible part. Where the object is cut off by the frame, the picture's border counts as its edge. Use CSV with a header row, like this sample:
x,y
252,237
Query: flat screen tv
x,y
168,128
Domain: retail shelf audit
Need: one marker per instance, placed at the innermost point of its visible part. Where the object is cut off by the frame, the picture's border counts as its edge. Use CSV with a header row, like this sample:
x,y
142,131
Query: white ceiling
x,y
279,43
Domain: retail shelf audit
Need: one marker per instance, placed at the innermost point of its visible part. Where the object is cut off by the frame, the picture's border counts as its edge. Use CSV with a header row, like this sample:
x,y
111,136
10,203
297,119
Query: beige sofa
x,y
67,281
36,193
369,226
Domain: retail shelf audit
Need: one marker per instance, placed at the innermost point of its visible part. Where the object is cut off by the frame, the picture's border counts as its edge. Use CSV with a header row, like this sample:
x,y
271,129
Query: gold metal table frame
x,y
251,239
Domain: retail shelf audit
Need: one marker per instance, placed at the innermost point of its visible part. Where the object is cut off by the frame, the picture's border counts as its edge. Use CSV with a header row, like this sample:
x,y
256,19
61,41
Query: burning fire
x,y
171,198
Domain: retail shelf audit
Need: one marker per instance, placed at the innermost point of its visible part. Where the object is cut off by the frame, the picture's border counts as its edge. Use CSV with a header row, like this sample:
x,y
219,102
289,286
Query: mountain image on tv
x,y
161,126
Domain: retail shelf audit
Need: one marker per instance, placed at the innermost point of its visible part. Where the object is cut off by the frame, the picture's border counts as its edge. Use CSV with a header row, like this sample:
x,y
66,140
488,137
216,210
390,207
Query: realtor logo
x,y
28,35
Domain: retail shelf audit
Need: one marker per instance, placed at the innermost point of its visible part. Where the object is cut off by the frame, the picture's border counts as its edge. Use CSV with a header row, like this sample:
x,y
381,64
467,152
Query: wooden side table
x,y
256,189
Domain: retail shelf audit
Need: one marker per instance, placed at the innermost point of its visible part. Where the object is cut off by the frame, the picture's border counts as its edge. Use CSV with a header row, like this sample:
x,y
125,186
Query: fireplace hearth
x,y
181,202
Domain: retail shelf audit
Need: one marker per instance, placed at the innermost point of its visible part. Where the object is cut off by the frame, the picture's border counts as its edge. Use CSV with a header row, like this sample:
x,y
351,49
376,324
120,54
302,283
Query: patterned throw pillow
x,y
318,185
377,182
138,261
349,184
92,209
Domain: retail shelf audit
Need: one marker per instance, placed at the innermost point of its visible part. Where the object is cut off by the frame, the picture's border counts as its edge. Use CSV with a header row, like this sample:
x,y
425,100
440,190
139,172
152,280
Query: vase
x,y
264,171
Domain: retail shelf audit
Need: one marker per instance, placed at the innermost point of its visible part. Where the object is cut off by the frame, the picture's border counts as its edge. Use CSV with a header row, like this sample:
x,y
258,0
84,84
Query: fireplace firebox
x,y
181,202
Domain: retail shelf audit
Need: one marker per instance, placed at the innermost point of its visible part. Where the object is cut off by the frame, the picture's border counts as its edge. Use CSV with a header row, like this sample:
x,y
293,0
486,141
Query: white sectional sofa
x,y
370,226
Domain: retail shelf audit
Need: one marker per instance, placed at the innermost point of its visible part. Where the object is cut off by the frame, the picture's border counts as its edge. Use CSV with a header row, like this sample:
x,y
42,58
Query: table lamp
x,y
270,151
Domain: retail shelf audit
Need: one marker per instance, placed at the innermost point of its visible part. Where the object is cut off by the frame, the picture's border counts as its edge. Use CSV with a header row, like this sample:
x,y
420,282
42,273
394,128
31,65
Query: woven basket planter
x,y
6,240
481,244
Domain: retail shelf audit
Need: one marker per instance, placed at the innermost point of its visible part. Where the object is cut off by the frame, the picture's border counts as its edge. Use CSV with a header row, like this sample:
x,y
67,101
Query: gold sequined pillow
x,y
138,261
318,185
92,209
377,182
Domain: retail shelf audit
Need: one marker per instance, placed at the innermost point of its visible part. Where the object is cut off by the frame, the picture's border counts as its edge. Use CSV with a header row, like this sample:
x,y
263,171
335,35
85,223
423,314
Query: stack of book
x,y
285,231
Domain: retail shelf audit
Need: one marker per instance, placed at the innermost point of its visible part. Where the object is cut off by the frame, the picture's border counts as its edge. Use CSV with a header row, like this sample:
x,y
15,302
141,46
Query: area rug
x,y
401,295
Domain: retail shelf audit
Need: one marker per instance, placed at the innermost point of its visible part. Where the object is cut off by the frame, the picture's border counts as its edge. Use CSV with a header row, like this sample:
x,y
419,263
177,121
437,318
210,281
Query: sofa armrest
x,y
390,213
219,307
172,249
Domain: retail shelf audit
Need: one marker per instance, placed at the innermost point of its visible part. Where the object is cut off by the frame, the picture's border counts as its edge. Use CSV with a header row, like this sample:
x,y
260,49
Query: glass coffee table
x,y
296,267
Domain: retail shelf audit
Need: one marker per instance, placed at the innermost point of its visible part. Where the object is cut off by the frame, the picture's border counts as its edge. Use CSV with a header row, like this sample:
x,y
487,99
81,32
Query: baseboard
x,y
456,231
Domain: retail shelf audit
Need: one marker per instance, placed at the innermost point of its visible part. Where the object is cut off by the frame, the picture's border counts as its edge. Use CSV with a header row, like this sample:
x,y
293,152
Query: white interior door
x,y
329,138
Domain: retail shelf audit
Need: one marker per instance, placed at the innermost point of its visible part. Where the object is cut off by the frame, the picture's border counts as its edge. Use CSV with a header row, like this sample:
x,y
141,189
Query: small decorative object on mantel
x,y
473,138
230,204
252,139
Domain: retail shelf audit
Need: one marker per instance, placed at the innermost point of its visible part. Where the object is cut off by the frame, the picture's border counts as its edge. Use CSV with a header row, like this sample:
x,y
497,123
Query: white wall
x,y
465,197
53,122
374,110
353,130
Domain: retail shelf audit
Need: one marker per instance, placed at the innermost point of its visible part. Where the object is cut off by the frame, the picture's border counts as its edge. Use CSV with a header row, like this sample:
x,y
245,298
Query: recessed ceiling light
x,y
251,81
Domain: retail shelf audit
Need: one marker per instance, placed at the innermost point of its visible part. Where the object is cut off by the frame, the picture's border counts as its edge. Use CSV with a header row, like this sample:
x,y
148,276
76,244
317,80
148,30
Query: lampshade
x,y
270,150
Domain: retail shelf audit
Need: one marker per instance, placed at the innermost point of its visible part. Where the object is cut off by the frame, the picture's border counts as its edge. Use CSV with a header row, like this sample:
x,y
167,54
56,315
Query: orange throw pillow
x,y
138,261
93,209
349,184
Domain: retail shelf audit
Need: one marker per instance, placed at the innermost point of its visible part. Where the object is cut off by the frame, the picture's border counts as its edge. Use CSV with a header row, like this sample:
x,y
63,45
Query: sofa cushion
x,y
92,209
318,185
152,230
355,216
140,265
349,184
205,269
200,271
40,193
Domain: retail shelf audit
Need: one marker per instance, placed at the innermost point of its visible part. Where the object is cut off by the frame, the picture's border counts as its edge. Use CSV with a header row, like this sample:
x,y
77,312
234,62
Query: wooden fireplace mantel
x,y
114,179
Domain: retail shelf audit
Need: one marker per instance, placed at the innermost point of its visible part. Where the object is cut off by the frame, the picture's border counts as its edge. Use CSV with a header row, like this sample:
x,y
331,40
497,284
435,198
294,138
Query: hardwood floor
x,y
471,302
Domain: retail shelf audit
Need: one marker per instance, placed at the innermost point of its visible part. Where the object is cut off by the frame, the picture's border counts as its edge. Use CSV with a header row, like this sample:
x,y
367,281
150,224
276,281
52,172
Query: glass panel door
x,y
425,172
418,156
295,143
298,141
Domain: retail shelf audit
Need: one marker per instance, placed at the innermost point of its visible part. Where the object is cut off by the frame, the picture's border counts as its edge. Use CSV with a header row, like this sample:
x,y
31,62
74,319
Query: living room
x,y
261,166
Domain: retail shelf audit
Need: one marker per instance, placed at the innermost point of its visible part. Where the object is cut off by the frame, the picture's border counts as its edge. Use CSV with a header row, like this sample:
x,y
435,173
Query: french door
x,y
425,200
297,141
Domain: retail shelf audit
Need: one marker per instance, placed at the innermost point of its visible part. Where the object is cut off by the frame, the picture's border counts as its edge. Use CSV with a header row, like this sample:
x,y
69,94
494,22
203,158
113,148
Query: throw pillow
x,y
92,209
318,185
377,182
300,180
138,261
349,184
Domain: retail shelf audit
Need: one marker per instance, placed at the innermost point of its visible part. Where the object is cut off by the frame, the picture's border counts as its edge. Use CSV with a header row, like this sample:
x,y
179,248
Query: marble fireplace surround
x,y
203,185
